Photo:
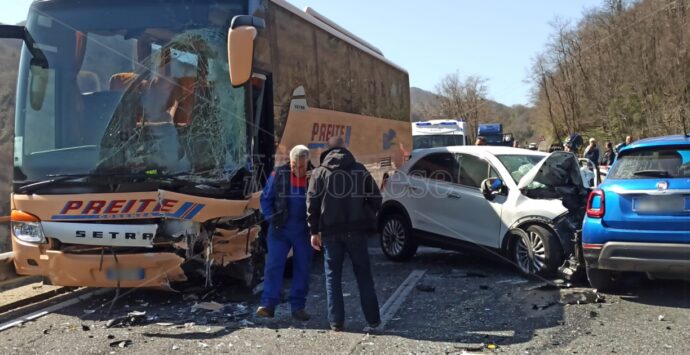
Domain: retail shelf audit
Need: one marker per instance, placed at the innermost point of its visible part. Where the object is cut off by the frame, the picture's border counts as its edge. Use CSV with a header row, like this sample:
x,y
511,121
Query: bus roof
x,y
329,26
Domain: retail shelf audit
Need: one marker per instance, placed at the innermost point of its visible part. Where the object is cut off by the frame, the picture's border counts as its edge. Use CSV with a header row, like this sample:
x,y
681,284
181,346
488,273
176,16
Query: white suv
x,y
524,204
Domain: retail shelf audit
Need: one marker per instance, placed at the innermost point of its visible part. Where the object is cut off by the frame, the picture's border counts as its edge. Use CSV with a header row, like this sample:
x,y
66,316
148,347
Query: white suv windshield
x,y
518,165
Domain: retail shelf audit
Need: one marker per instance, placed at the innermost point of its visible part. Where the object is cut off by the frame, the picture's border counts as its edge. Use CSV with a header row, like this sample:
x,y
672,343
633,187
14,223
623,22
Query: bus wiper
x,y
57,179
107,178
653,173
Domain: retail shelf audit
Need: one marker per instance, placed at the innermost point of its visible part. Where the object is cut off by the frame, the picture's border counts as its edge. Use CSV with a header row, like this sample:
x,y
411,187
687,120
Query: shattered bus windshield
x,y
129,88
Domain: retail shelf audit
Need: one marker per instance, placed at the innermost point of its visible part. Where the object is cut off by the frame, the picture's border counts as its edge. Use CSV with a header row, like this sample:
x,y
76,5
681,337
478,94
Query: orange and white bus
x,y
145,130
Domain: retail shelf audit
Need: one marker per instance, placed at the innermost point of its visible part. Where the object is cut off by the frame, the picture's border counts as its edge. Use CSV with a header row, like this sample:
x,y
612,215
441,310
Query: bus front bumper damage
x,y
155,270
150,269
175,249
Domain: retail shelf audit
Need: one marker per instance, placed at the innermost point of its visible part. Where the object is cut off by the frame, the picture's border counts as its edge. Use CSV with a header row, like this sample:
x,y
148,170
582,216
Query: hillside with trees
x,y
623,69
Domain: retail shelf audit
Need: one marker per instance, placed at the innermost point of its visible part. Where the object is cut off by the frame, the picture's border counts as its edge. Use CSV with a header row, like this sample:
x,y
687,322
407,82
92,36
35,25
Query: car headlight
x,y
27,227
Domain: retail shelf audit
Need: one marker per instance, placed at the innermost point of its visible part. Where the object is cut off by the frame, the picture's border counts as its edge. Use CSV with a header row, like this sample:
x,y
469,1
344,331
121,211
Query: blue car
x,y
638,220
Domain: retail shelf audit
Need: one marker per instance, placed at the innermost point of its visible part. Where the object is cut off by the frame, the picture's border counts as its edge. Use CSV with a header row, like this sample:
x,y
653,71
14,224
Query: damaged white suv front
x,y
526,205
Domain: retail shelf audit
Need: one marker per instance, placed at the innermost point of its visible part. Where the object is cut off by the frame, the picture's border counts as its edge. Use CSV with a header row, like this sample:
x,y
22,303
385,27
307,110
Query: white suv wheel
x,y
396,238
537,251
530,253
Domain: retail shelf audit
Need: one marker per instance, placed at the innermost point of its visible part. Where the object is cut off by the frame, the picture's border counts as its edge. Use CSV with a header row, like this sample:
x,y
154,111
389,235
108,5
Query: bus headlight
x,y
28,232
27,227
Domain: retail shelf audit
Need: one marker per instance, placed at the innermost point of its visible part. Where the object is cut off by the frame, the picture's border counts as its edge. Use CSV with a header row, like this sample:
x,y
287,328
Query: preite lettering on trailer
x,y
127,209
322,132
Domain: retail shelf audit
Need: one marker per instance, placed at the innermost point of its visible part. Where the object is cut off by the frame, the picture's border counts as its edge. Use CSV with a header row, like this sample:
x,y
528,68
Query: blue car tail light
x,y
596,206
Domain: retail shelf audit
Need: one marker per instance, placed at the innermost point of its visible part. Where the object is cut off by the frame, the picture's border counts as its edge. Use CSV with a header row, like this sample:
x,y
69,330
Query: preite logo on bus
x,y
128,209
322,132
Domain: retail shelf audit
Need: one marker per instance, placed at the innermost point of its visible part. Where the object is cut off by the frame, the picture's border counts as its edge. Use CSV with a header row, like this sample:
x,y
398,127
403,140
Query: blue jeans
x,y
335,247
279,244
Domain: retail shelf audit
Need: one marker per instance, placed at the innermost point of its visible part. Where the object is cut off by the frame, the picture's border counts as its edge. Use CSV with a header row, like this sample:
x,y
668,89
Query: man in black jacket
x,y
342,201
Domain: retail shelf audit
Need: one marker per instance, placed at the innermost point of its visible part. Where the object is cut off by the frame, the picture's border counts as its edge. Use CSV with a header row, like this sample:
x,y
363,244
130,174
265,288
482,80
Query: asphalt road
x,y
462,303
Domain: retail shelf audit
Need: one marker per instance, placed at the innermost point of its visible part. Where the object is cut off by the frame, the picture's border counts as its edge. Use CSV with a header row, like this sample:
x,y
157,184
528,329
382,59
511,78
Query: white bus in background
x,y
438,133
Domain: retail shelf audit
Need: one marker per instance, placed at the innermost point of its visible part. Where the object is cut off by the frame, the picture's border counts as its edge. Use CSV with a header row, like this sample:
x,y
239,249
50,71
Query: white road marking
x,y
398,297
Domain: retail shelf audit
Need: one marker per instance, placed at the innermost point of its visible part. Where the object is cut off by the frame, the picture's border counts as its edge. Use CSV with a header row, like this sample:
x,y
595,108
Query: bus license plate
x,y
126,274
657,204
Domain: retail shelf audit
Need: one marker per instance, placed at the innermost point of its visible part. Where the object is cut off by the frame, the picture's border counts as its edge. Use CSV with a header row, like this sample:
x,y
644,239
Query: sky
x,y
495,39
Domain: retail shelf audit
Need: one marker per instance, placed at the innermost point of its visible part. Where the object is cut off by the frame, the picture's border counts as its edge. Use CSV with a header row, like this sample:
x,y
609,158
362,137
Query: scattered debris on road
x,y
121,343
583,297
474,274
551,286
190,297
512,281
540,307
132,318
245,323
547,286
208,306
425,288
471,348
661,318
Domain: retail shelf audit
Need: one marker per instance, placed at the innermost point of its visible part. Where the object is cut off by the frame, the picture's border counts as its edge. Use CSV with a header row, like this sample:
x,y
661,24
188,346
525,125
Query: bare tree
x,y
463,98
623,69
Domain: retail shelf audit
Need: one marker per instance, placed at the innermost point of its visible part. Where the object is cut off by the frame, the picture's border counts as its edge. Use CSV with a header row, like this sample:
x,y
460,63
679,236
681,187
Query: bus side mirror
x,y
12,32
38,66
243,31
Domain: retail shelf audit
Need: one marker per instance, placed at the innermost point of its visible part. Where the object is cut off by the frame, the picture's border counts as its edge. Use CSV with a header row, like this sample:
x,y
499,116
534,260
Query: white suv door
x,y
474,218
427,182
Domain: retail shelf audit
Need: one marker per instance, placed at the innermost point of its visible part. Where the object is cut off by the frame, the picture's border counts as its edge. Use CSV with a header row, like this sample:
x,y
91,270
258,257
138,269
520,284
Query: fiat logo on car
x,y
662,185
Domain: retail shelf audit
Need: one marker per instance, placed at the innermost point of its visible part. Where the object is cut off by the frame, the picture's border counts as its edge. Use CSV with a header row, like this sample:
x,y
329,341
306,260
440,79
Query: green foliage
x,y
623,70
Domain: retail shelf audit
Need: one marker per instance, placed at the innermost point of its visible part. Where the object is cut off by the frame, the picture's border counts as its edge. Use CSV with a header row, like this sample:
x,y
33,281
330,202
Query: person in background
x,y
283,203
342,202
572,143
480,141
628,141
516,144
592,152
567,147
333,142
609,155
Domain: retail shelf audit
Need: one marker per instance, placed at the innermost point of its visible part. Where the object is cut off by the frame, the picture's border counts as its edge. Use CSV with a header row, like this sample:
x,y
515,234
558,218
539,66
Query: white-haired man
x,y
283,204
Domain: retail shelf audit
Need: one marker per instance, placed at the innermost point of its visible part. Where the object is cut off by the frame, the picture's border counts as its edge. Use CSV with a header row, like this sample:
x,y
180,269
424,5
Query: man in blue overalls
x,y
283,204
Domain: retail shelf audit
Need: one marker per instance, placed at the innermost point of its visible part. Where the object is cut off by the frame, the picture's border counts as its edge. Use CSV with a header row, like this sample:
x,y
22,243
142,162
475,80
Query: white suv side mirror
x,y
491,187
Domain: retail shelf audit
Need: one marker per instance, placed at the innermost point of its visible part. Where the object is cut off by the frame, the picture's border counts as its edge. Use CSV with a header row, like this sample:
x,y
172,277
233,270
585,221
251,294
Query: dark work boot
x,y
265,312
301,315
